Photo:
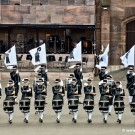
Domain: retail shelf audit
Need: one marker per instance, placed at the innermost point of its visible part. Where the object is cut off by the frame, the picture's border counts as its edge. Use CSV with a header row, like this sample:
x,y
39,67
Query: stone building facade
x,y
102,21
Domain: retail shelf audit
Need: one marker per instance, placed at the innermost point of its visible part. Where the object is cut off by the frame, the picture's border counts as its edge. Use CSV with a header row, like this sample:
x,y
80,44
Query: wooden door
x,y
130,35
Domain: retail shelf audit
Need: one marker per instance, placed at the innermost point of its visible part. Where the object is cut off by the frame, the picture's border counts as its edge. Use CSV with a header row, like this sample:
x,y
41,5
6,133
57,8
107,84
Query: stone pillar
x,y
105,27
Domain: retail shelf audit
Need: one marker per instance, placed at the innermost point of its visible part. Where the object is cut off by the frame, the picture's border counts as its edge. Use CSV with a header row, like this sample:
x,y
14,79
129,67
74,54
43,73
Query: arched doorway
x,y
130,35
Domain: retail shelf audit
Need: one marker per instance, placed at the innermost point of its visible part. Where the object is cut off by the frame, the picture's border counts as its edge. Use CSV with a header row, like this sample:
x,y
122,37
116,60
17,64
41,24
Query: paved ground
x,y
66,127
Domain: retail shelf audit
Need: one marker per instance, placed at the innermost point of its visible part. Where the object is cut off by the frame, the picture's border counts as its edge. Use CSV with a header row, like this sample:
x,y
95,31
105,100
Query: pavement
x,y
67,127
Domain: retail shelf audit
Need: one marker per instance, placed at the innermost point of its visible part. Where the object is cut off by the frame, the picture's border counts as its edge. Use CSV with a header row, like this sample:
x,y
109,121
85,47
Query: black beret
x,y
57,80
10,81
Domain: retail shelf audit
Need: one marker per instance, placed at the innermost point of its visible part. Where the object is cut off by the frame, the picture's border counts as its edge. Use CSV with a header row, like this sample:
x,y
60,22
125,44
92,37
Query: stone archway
x,y
127,32
130,34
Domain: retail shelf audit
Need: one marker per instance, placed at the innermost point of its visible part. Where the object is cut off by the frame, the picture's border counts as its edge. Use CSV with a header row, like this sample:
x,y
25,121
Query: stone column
x,y
105,27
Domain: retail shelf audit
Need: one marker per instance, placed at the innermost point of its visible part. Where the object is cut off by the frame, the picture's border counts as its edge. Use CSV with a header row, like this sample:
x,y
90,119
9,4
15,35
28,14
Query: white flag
x,y
129,57
103,58
76,54
10,57
38,55
102,48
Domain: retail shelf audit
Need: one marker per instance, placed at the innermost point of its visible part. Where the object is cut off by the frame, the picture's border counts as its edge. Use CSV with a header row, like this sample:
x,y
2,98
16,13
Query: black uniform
x,y
111,84
104,95
133,93
44,75
73,95
16,78
79,77
25,96
9,96
118,96
130,82
132,105
72,90
57,91
102,75
39,93
87,90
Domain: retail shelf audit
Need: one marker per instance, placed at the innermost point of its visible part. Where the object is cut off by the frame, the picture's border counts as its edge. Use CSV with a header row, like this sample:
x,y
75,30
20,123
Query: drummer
x,y
69,82
58,94
105,95
26,91
119,95
43,72
73,93
111,84
90,92
132,104
10,95
40,94
103,73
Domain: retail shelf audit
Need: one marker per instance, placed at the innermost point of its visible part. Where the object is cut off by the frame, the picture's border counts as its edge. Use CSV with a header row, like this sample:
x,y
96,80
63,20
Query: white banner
x,y
38,55
76,54
10,57
103,58
129,57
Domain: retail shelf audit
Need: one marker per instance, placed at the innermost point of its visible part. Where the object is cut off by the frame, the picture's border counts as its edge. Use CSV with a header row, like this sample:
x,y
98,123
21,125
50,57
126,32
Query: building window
x,y
5,2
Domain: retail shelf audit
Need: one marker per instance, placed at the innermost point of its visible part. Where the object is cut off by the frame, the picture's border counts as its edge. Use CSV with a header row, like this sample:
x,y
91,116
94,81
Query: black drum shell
x,y
8,105
119,105
24,104
73,102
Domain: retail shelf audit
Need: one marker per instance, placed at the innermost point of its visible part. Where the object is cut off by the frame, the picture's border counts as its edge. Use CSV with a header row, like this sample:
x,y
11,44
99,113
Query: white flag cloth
x,y
103,58
102,48
10,57
129,57
38,55
76,54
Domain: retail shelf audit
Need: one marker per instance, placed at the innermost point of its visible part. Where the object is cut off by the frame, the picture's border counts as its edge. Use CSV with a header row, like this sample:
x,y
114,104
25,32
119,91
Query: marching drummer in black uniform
x,y
40,95
104,100
26,91
57,102
130,81
103,73
68,81
16,79
90,92
73,100
132,104
111,84
119,94
8,104
79,78
44,74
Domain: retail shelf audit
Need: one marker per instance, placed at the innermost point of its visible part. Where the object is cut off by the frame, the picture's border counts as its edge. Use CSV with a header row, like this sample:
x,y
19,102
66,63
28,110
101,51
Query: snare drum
x,y
39,104
24,104
73,102
88,104
103,105
8,105
132,106
119,105
57,104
